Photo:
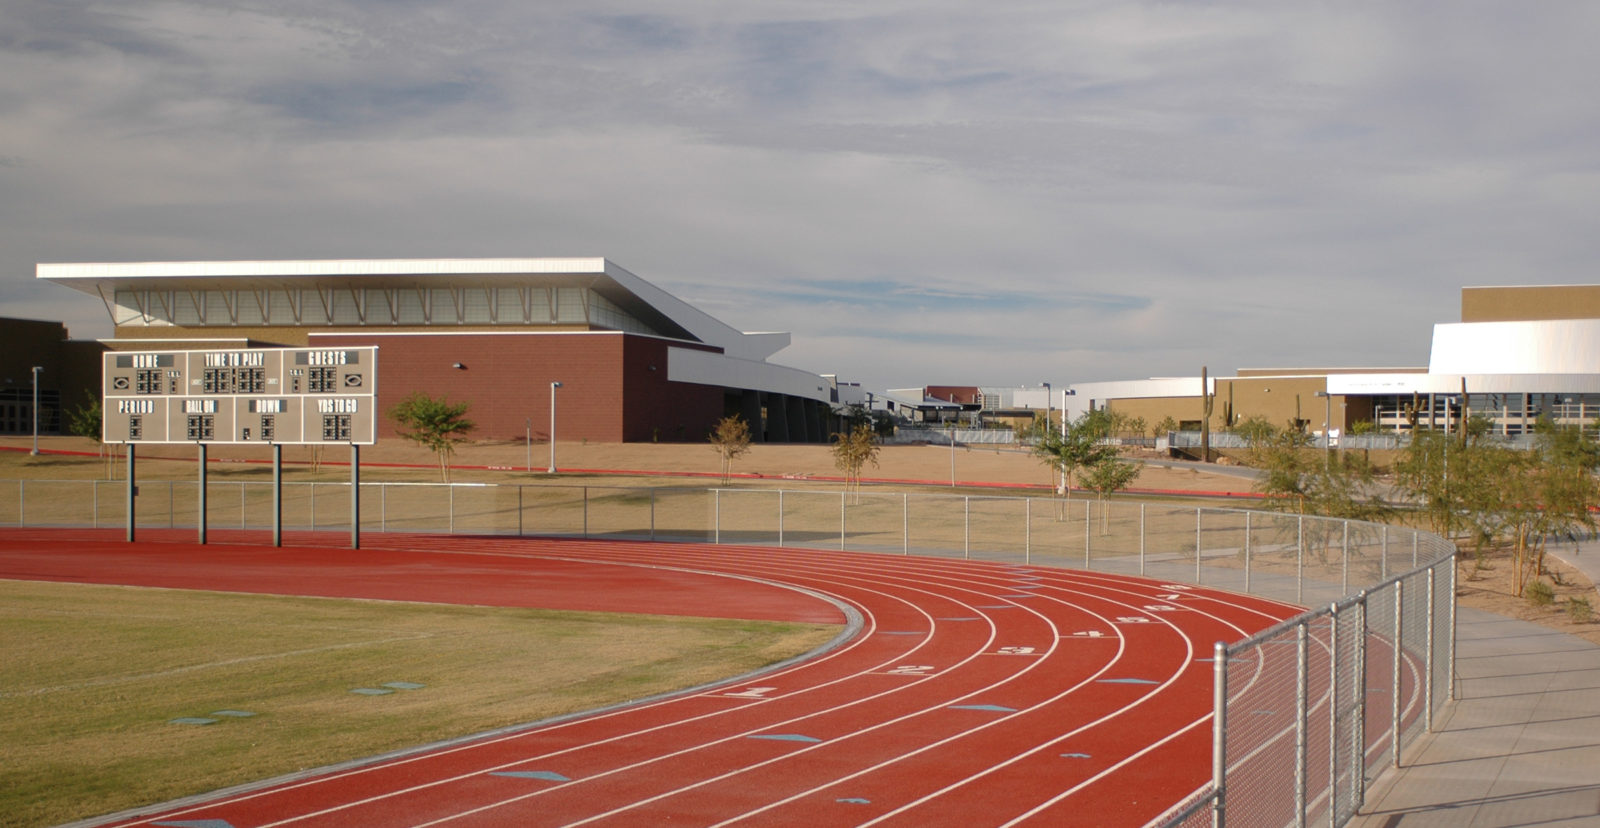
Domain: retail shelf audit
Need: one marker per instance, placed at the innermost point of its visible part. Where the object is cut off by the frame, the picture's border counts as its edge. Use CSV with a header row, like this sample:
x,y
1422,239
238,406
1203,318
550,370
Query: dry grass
x,y
1486,584
95,674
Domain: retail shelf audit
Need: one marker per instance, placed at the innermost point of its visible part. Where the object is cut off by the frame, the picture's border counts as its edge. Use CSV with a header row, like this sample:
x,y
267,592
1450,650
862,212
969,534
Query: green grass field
x,y
94,676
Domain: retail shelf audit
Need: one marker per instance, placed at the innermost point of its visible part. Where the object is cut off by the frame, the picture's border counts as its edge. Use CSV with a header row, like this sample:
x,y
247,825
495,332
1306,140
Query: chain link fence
x,y
1308,711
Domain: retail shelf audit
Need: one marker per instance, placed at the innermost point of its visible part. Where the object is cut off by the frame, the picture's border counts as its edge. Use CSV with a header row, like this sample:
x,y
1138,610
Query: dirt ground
x,y
1487,587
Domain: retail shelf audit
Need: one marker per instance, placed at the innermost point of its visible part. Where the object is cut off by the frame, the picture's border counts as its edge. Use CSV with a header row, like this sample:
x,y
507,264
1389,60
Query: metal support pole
x,y
1088,520
716,516
1300,559
966,527
201,505
277,494
1358,746
1333,715
1197,546
1383,555
1141,536
1219,734
1344,582
1450,662
1394,697
1302,688
133,491
841,521
1027,528
905,523
1247,553
355,496
1427,658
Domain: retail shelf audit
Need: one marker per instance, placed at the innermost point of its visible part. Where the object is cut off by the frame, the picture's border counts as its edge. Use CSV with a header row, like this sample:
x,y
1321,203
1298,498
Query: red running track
x,y
973,693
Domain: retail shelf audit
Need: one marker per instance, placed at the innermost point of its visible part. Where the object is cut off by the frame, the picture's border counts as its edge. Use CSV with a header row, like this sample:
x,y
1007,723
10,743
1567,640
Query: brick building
x,y
634,363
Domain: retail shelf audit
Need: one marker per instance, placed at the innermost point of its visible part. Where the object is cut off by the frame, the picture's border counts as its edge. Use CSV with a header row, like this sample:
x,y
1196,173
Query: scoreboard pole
x,y
355,496
202,492
277,494
133,491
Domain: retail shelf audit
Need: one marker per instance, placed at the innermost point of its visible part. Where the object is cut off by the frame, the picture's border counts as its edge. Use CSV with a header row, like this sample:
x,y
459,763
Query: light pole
x,y
1327,429
553,387
36,370
1047,390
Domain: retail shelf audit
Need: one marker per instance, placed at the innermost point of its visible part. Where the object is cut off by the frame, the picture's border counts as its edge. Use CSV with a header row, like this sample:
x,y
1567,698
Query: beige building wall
x,y
1279,399
1530,303
136,337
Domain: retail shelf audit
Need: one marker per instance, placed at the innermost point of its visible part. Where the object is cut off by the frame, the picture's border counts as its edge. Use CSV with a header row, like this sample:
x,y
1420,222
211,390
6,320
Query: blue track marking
x,y
1128,681
548,776
854,800
786,737
1074,756
989,708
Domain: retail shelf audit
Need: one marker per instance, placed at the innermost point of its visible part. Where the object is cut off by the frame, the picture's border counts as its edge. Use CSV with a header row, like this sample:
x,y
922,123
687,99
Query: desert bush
x,y
1579,610
1540,594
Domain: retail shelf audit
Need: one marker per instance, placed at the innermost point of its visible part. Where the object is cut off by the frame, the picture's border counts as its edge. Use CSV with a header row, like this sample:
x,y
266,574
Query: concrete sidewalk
x,y
1520,746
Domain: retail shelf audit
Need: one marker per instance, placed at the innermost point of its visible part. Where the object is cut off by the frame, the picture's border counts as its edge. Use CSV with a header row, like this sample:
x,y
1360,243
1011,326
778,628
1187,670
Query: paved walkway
x,y
1520,746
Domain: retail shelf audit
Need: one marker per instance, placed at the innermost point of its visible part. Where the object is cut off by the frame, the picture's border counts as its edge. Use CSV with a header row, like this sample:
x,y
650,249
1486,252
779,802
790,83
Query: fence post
x,y
1394,699
452,488
1247,552
1302,687
842,508
1219,733
1141,539
966,526
1383,558
1197,545
1358,742
905,523
1333,715
1450,657
1027,530
94,497
1427,656
1300,559
1344,582
716,516
1087,520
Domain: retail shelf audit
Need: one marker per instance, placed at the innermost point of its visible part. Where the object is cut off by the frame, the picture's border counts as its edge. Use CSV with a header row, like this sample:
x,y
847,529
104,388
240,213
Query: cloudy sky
x,y
922,192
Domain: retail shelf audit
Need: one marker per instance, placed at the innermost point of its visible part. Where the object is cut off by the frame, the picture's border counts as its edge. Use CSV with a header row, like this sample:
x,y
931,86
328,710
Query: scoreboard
x,y
256,395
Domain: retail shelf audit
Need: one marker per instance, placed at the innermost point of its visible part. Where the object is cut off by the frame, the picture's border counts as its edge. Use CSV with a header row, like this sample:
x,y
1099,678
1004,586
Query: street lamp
x,y
36,370
1327,425
553,387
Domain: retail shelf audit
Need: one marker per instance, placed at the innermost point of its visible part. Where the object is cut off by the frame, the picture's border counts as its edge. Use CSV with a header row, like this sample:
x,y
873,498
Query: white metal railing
x,y
1307,711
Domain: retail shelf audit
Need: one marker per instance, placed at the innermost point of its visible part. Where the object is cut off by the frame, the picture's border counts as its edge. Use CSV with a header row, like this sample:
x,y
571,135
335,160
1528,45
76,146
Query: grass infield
x,y
95,676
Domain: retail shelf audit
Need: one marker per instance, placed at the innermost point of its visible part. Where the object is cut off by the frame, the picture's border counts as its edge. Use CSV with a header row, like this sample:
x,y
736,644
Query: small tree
x,y
852,451
1110,474
731,439
85,421
436,424
1080,447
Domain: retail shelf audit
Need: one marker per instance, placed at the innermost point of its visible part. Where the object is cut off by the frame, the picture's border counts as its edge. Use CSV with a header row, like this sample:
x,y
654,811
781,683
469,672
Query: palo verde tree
x,y
1108,475
852,451
1551,493
731,439
436,424
1080,445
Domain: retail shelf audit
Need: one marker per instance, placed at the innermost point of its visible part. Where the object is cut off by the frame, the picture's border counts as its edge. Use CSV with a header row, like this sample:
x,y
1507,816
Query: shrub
x,y
1579,610
1540,594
